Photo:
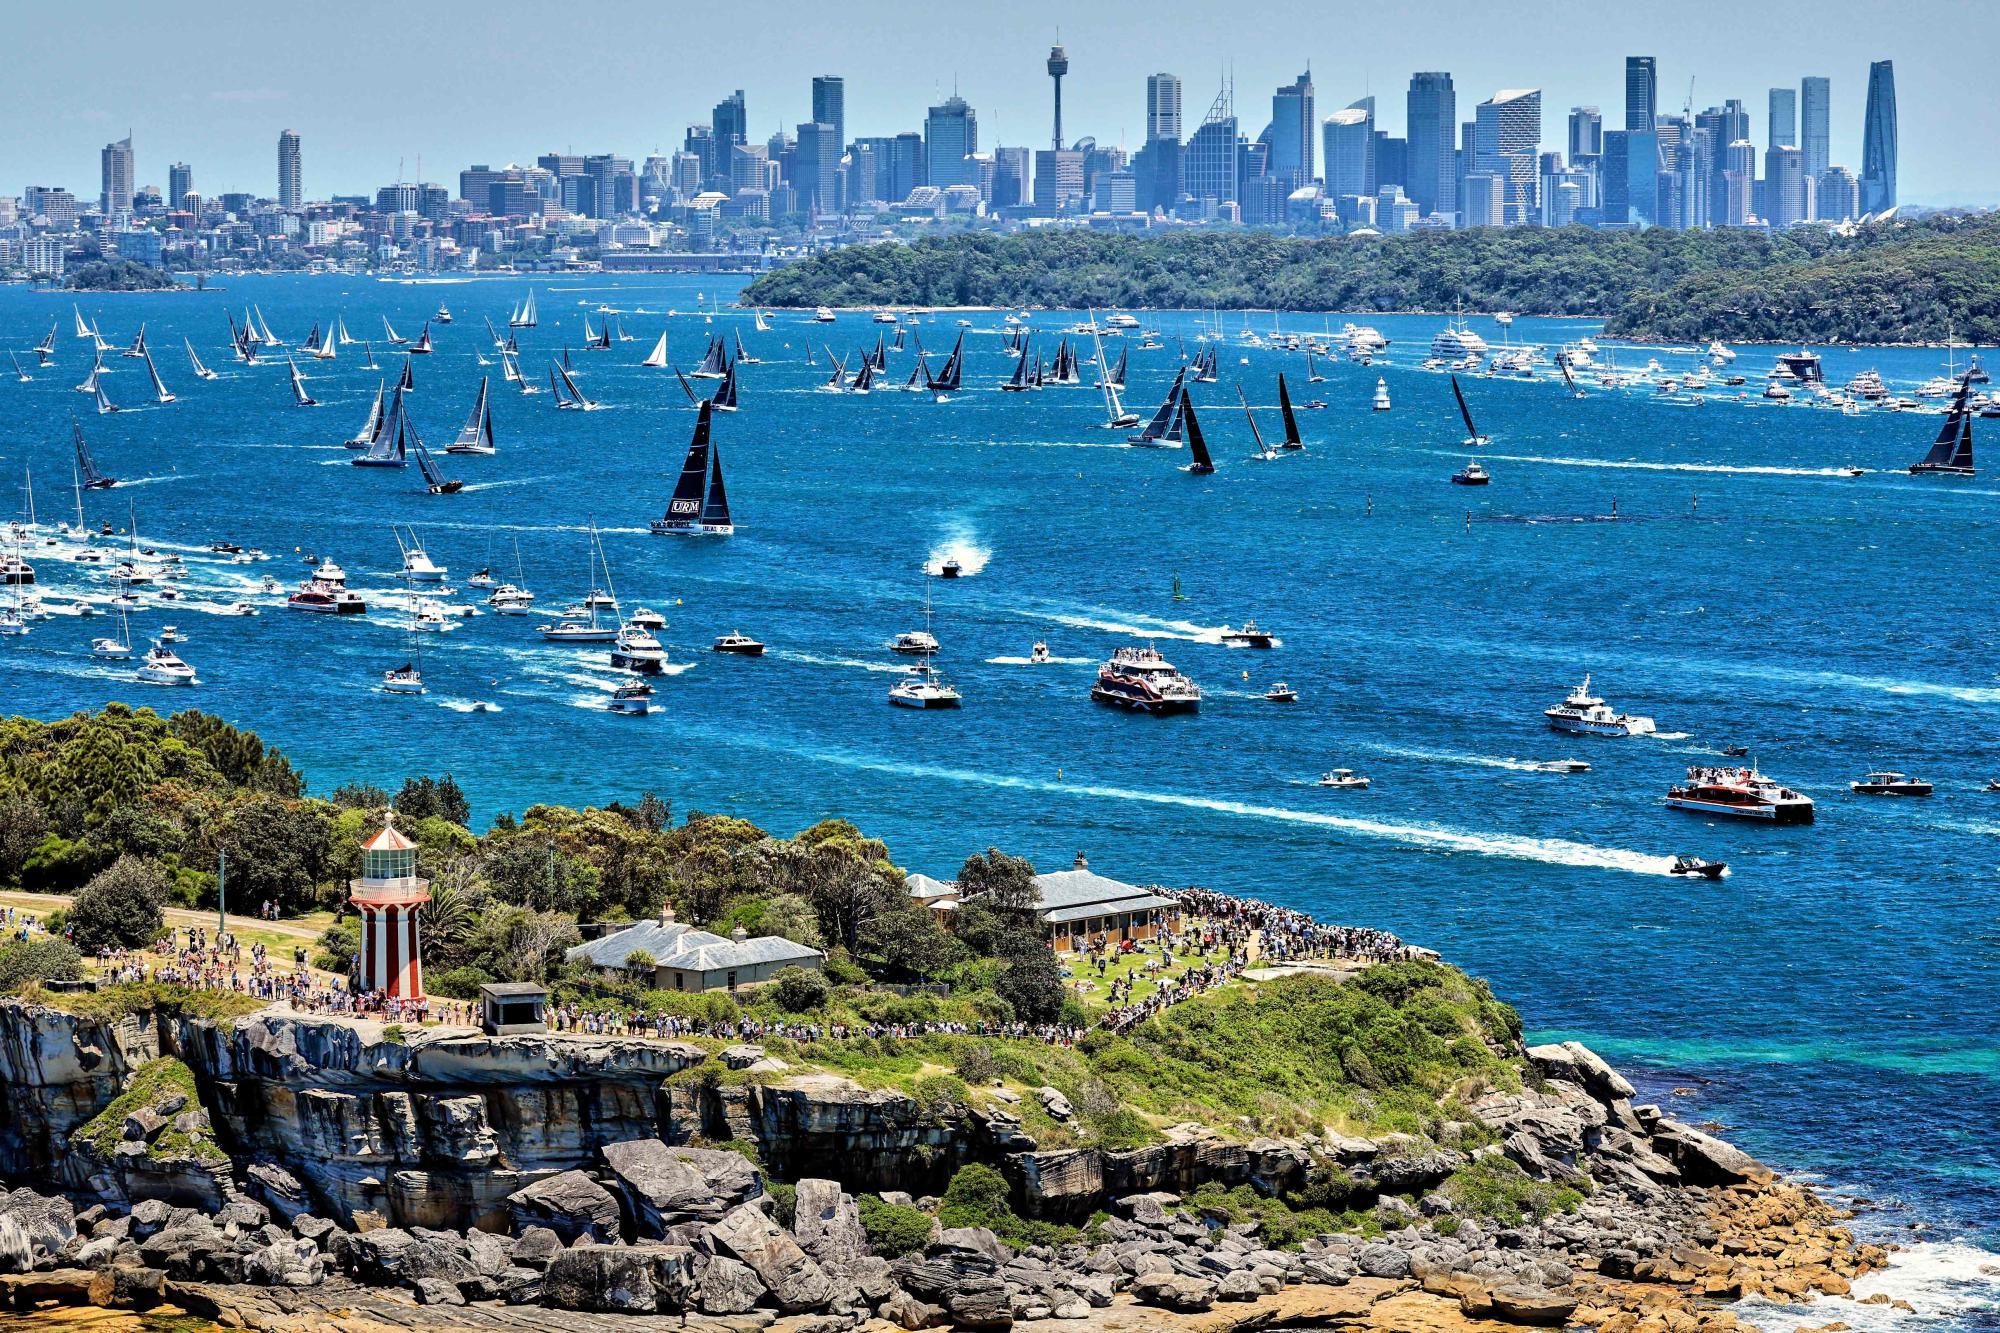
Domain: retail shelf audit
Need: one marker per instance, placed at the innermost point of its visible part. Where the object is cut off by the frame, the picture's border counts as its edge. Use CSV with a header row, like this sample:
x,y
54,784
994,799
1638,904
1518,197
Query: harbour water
x,y
1831,1002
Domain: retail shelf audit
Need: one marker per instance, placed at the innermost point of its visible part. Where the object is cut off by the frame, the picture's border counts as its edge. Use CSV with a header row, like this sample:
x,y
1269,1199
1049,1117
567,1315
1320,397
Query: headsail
x,y
373,426
388,446
1951,453
86,466
160,393
657,358
476,435
725,393
299,394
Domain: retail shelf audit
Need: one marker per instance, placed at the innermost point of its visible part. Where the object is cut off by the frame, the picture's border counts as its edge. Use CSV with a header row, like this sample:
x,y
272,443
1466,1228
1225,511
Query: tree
x,y
278,850
1032,983
37,958
531,872
23,821
912,943
1004,883
360,796
434,798
120,907
800,990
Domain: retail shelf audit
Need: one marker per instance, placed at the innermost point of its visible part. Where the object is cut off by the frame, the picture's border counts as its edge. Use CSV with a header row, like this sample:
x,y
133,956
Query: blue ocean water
x,y
1832,1002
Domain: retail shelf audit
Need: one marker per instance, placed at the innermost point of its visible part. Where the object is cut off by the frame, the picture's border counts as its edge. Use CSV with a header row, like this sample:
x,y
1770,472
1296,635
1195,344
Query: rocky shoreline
x,y
330,1172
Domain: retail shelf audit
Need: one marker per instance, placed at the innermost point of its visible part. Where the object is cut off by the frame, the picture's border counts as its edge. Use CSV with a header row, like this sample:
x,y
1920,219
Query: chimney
x,y
1082,861
666,914
739,935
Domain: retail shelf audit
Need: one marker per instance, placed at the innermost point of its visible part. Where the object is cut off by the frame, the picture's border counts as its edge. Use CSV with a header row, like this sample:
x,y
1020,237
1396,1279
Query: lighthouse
x,y
390,898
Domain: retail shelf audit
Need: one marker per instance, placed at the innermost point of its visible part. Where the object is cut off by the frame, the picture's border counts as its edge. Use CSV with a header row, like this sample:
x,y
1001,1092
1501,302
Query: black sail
x,y
1202,462
1471,431
686,505
1953,447
1292,438
715,507
1156,429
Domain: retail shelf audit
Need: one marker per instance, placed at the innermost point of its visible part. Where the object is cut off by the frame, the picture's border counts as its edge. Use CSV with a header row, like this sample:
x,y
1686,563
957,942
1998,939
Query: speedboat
x,y
172,634
646,619
1145,682
325,598
1281,693
822,316
12,623
1563,766
1250,636
1741,793
1694,865
1039,653
634,700
635,649
1890,784
950,569
1585,714
508,600
161,667
1343,779
1736,751
418,567
405,679
914,643
739,643
923,687
1471,475
238,609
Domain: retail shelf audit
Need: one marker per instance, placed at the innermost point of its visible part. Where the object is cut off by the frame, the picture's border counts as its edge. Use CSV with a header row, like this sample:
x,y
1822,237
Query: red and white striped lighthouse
x,y
390,898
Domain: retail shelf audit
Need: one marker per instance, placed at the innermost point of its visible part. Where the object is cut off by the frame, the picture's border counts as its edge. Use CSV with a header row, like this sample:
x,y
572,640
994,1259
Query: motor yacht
x,y
1741,793
238,609
15,571
508,600
646,618
634,700
1345,779
950,569
923,687
418,567
915,643
1890,784
329,572
738,643
1281,693
1694,865
635,649
326,598
161,667
1585,714
1250,636
1471,475
1145,682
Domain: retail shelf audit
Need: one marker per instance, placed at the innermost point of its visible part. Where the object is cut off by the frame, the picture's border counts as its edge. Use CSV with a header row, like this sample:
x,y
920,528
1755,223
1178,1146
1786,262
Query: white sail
x,y
327,350
344,339
201,372
82,329
299,394
263,329
657,359
160,393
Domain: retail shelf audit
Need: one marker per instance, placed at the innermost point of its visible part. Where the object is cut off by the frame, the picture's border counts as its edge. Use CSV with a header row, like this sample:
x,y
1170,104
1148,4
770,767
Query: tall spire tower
x,y
1058,66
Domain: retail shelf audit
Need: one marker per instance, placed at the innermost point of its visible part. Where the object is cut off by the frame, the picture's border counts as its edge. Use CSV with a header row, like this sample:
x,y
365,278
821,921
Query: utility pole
x,y
221,897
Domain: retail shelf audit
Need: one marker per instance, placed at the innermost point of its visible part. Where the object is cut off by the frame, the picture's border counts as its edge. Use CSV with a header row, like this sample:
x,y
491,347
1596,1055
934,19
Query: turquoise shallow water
x,y
1833,1000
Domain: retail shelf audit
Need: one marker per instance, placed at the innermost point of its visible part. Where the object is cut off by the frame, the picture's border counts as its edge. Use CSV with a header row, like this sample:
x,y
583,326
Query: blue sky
x,y
369,83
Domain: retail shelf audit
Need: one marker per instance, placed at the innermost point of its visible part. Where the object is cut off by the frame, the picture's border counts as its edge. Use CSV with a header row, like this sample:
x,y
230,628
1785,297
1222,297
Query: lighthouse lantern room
x,y
390,898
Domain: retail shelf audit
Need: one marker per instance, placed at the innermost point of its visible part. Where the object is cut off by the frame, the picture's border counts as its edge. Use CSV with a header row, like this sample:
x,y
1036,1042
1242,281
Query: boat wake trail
x,y
1454,757
1636,465
813,659
1549,851
1137,626
961,546
1029,661
469,706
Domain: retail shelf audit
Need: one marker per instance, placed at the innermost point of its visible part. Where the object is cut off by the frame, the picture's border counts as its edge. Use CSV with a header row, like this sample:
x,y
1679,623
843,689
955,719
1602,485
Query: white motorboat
x,y
1584,714
738,643
1039,653
634,700
635,649
923,687
418,567
162,667
646,618
1345,779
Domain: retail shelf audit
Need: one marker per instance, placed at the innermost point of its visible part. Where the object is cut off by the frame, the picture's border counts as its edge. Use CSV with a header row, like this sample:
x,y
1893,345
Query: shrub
x,y
976,1063
976,1197
120,907
459,983
151,1083
1494,1187
784,1202
801,990
894,1230
844,971
37,958
941,1095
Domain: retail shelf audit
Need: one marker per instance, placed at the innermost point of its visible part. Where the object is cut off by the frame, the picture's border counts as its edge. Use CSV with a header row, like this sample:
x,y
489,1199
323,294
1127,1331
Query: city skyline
x,y
353,143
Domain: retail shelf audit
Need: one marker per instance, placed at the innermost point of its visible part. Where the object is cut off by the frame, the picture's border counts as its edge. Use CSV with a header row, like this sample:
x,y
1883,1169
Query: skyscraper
x,y
1506,138
1642,93
816,166
1163,106
1350,152
830,105
1433,160
1784,129
115,191
1209,168
1058,66
1292,122
180,184
290,189
1878,140
1785,188
951,134
1815,110
1586,132
730,125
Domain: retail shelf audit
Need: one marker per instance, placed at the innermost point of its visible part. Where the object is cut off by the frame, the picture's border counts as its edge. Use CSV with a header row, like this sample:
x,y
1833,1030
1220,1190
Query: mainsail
x,y
1163,428
714,362
1118,371
1472,435
82,329
1202,463
657,358
725,393
864,378
576,398
434,478
138,347
371,428
1951,454
715,506
476,435
408,384
389,332
1019,380
104,404
86,466
299,394
684,509
1292,438
160,394
948,379
389,444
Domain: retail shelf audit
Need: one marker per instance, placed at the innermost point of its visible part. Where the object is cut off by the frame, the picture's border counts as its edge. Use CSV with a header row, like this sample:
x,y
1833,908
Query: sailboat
x,y
864,378
725,392
386,445
1163,431
600,340
1473,439
1118,371
372,427
1066,371
326,350
160,393
657,358
264,333
714,362
389,332
342,336
82,329
572,396
312,342
476,435
408,383
1202,464
86,466
1116,417
300,397
838,381
1951,454
763,324
699,506
1020,381
523,316
19,374
1312,370
118,647
1292,439
97,338
422,346
1562,361
45,350
1263,451
138,347
89,384
947,381
434,478
584,626
744,358
104,404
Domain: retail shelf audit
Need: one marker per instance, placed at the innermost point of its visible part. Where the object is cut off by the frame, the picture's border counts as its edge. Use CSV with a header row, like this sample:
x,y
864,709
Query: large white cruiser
x,y
1455,342
1742,793
1144,681
1585,714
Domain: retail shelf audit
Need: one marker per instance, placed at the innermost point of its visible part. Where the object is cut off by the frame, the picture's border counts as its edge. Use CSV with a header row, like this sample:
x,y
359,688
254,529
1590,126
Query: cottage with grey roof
x,y
680,957
1077,906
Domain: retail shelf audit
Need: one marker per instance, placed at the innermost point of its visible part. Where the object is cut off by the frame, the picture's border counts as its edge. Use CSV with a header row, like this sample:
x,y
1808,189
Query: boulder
x,y
48,1219
728,1286
128,1288
972,1240
278,1189
1174,1291
1242,1285
1517,1304
662,1186
619,1279
17,1248
906,1311
569,1203
980,1303
1703,1159
827,1223
795,1281
1379,1260
1055,1104
437,1291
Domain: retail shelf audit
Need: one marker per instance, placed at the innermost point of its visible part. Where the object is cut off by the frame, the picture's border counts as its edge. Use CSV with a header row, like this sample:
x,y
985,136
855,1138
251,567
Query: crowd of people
x,y
18,923
1285,934
574,1017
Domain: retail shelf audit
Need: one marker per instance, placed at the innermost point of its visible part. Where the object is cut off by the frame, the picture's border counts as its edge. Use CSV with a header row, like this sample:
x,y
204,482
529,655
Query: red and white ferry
x,y
1742,793
1145,682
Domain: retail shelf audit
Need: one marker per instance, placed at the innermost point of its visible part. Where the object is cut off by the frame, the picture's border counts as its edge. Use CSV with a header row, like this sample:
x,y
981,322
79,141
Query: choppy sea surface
x,y
1834,1002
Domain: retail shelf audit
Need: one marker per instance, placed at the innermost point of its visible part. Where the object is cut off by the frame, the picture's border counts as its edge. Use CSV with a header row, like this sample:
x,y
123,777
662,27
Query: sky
x,y
375,88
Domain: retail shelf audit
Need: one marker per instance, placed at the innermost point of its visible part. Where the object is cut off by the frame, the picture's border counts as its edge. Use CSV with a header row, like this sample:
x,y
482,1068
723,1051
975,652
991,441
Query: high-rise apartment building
x,y
1783,131
1642,93
1163,106
1785,185
816,166
1507,136
830,105
115,165
951,135
1432,182
1839,196
1739,175
291,177
1586,132
1815,115
1292,122
1878,140
1349,139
